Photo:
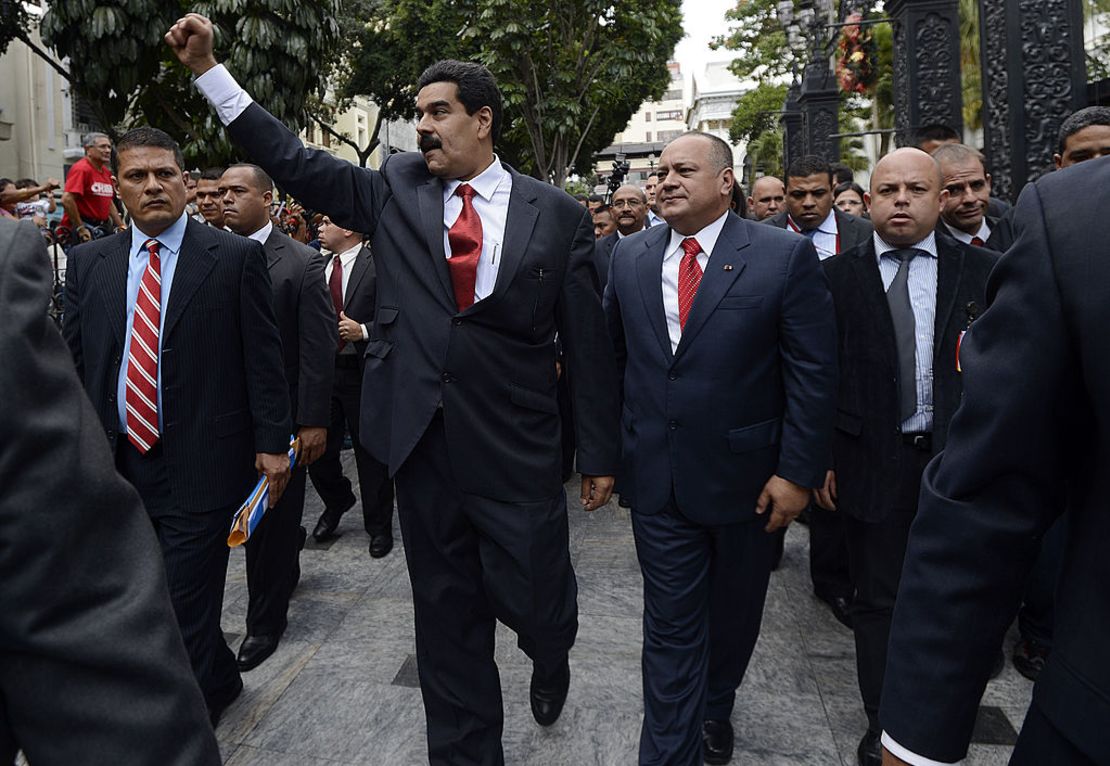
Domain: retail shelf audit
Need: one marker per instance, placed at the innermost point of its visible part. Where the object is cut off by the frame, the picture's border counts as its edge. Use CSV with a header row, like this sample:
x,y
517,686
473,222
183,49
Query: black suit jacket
x,y
307,325
223,392
866,442
92,667
360,297
603,248
853,231
491,367
1032,429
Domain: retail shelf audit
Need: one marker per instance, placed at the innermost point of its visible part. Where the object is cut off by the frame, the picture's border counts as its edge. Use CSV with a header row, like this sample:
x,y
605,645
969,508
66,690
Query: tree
x,y
277,49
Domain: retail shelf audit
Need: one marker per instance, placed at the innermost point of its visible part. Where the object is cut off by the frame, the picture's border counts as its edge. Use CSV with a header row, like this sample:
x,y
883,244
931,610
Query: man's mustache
x,y
427,143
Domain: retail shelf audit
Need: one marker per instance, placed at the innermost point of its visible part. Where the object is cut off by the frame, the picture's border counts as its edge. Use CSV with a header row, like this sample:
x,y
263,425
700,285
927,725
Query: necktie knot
x,y
905,255
691,247
152,246
466,191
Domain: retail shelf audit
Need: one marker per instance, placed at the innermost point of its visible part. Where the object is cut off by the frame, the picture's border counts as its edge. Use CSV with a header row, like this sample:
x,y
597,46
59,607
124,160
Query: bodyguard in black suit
x,y
459,383
1029,432
308,339
351,264
603,249
724,336
92,667
222,409
811,213
899,321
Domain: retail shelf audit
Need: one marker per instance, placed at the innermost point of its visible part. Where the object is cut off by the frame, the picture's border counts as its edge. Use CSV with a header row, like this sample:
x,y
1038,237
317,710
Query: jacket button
x,y
672,376
446,377
673,425
457,321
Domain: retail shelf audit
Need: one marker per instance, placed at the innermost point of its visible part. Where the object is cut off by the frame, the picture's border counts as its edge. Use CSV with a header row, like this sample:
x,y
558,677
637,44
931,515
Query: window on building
x,y
647,137
647,116
674,94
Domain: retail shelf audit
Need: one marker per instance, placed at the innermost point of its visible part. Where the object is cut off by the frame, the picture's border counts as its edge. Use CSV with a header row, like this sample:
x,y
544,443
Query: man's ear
x,y
485,122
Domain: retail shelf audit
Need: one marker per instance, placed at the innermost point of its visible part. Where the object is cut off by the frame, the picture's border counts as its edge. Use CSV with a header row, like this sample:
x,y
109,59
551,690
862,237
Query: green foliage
x,y
757,112
277,49
759,42
572,72
15,21
765,153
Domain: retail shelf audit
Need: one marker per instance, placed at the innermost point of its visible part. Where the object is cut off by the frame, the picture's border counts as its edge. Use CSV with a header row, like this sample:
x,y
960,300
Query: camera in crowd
x,y
616,178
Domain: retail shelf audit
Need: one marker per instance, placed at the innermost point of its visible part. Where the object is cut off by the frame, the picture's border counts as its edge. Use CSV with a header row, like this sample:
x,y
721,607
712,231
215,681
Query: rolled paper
x,y
252,511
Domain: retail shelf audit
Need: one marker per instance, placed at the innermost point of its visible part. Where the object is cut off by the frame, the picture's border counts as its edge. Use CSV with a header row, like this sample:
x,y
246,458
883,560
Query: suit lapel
x,y
874,296
649,273
111,282
519,224
358,269
274,247
950,266
430,197
194,263
725,265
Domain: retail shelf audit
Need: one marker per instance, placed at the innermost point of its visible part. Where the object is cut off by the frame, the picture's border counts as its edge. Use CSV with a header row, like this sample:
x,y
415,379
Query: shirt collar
x,y
349,254
927,245
707,238
263,234
984,232
170,239
827,226
485,183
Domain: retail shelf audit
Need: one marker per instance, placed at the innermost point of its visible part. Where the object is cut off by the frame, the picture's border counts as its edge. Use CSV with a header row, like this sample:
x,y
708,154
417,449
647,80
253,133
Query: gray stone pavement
x,y
341,688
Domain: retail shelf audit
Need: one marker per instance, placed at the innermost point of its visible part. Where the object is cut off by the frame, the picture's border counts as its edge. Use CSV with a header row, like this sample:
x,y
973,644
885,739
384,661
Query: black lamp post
x,y
809,32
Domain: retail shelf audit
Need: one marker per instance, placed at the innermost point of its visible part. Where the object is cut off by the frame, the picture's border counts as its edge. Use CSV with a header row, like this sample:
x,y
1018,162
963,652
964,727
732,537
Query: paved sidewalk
x,y
342,689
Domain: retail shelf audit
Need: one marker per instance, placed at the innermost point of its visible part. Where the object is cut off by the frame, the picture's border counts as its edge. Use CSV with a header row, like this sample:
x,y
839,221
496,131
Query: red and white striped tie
x,y
689,277
142,357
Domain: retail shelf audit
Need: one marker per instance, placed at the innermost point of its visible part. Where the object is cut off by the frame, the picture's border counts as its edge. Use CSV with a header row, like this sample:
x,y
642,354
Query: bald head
x,y
768,197
906,196
629,206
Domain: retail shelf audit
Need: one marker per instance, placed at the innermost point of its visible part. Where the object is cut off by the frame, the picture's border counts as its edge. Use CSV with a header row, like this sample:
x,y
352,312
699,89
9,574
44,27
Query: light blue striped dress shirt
x,y
923,299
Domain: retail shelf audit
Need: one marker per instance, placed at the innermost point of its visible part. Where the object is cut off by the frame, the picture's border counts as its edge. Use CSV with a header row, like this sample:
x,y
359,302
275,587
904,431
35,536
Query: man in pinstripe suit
x,y
171,325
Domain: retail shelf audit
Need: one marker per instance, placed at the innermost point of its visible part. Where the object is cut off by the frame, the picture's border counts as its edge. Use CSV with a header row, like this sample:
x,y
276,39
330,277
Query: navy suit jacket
x,y
603,249
491,367
1031,433
361,295
223,390
750,391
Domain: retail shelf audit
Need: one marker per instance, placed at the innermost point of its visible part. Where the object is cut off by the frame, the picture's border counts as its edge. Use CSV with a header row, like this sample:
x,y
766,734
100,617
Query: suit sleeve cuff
x,y
365,334
912,758
226,96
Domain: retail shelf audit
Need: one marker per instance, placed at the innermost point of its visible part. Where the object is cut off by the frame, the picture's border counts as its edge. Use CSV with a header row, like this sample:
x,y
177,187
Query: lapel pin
x,y
728,267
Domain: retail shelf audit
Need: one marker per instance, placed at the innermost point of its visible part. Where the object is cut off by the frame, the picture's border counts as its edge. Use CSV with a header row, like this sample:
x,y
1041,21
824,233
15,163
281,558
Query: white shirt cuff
x,y
912,758
227,96
365,334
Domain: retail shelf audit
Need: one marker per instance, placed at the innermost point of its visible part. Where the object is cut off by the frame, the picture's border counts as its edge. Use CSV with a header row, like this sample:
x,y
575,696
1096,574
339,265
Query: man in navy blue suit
x,y
726,343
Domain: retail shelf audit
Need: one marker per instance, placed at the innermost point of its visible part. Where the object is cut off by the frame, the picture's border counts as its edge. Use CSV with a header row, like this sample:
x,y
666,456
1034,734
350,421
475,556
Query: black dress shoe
x,y
1029,658
548,695
329,520
254,650
222,701
716,740
840,608
870,750
380,545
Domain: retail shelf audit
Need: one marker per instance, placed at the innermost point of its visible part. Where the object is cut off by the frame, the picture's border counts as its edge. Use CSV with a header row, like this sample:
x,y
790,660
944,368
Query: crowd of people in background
x,y
834,368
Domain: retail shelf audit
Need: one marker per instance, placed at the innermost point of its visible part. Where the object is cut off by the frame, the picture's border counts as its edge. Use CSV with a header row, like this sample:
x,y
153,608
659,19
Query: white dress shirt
x,y
346,260
262,234
491,203
672,258
922,284
826,238
984,232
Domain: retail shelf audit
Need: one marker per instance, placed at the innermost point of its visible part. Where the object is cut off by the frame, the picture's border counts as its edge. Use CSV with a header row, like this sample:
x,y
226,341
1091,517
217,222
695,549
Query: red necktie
x,y
977,241
142,356
465,236
335,285
689,277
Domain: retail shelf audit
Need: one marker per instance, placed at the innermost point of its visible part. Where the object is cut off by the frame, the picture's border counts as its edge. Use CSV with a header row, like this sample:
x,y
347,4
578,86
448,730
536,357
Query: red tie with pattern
x,y
689,277
977,241
335,286
142,356
465,236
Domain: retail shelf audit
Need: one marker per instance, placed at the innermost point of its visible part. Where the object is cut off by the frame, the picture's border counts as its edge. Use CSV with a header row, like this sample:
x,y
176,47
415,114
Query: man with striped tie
x,y
171,325
726,343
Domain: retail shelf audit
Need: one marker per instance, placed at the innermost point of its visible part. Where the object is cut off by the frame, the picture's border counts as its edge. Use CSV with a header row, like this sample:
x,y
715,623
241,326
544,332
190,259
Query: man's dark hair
x,y
959,153
211,174
262,179
596,198
476,84
842,174
602,208
581,197
25,183
934,132
1084,118
847,186
809,165
148,136
4,182
653,174
739,203
720,153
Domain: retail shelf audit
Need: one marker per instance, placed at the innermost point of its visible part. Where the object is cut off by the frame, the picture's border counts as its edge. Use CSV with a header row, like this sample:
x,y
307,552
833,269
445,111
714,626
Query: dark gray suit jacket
x,y
853,231
603,248
360,297
1031,433
307,324
492,366
92,667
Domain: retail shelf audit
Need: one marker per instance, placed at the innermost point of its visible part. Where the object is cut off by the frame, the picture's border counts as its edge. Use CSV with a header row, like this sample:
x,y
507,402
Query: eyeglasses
x,y
626,203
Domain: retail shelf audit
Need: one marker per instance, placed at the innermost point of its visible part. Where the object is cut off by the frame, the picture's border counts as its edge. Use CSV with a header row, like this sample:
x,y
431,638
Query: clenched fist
x,y
191,40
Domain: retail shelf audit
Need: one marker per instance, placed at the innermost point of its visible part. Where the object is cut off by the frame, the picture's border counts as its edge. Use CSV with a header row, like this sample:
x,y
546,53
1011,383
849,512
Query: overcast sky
x,y
702,21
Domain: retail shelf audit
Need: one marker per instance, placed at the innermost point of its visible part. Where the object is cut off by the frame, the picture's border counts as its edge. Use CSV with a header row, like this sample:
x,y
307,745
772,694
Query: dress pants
x,y
273,561
374,485
828,554
701,584
473,561
876,550
1040,743
195,553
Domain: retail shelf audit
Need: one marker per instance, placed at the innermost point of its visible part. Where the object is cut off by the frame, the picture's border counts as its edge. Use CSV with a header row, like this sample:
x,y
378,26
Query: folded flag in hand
x,y
251,512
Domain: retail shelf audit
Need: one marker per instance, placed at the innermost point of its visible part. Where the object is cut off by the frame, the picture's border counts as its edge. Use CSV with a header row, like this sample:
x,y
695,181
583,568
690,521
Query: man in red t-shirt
x,y
89,190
